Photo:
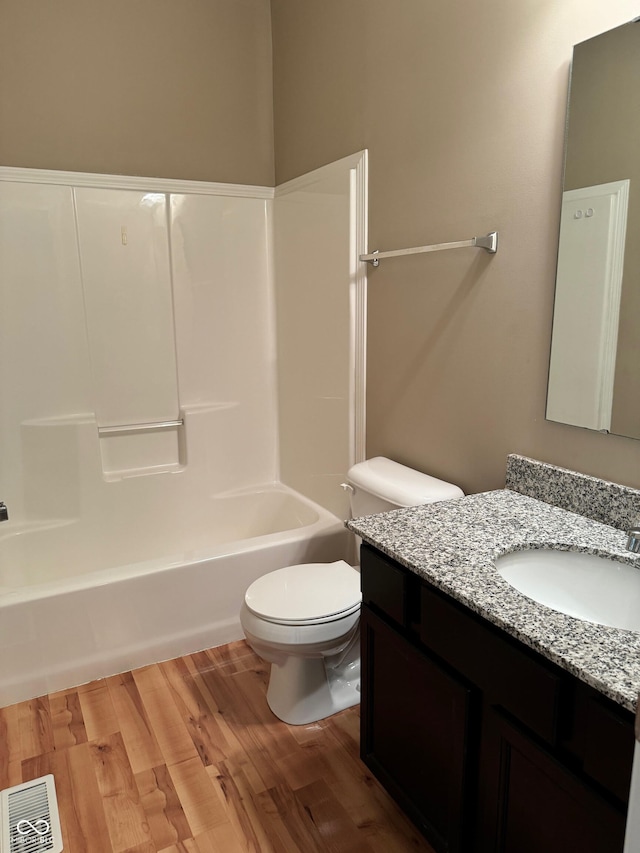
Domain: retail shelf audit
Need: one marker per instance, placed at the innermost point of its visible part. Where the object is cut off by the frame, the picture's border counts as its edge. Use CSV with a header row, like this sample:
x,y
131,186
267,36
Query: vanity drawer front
x,y
509,677
384,585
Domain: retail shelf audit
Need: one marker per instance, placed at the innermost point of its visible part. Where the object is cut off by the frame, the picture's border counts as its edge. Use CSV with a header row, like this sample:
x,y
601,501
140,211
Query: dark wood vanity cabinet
x,y
416,734
529,801
487,746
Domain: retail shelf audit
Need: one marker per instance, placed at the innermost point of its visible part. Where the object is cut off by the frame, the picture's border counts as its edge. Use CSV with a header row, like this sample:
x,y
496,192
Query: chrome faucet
x,y
4,512
633,540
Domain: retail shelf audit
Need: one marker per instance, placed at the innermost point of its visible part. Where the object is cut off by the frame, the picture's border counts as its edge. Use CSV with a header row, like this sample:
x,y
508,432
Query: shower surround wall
x,y
321,321
203,351
131,301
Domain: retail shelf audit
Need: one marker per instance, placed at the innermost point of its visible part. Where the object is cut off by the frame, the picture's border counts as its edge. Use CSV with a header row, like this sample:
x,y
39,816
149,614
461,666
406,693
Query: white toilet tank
x,y
379,484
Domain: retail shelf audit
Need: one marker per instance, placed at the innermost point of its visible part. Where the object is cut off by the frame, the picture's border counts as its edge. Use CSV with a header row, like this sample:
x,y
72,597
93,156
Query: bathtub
x,y
78,604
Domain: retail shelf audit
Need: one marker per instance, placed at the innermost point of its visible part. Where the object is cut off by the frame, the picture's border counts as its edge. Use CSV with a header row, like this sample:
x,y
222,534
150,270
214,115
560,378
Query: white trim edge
x,y
130,182
352,161
361,240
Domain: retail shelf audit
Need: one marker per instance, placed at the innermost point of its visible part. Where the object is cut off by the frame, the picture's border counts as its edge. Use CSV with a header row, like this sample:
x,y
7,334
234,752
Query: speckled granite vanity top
x,y
453,545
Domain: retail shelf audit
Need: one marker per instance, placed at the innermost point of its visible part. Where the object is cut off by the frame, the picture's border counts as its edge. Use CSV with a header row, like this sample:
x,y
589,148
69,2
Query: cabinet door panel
x,y
415,732
531,803
529,689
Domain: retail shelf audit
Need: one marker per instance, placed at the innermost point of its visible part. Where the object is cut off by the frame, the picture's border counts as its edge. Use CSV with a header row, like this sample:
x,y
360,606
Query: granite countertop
x,y
453,545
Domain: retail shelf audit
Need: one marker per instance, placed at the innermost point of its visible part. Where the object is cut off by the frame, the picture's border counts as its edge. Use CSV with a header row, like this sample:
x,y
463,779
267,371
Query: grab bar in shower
x,y
488,242
112,430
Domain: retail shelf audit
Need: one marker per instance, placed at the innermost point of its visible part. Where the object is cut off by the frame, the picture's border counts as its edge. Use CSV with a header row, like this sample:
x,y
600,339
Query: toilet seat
x,y
306,594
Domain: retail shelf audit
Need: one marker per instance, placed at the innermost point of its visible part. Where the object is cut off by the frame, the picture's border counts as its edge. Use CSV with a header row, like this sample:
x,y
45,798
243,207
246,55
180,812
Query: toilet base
x,y
315,668
304,690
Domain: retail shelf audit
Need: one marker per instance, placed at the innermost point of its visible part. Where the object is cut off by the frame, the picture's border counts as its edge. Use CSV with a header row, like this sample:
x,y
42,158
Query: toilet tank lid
x,y
399,484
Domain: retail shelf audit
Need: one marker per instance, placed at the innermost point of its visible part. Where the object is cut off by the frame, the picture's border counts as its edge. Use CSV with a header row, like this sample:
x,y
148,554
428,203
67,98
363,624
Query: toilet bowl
x,y
304,619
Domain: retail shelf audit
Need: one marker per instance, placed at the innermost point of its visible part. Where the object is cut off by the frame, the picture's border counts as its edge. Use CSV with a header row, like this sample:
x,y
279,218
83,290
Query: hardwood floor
x,y
185,756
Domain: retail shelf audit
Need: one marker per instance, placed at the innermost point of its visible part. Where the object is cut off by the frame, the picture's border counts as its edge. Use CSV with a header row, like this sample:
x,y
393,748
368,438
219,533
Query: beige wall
x,y
462,108
164,88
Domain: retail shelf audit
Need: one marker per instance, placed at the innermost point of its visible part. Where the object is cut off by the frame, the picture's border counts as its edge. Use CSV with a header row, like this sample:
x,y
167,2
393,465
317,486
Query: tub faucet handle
x,y
4,512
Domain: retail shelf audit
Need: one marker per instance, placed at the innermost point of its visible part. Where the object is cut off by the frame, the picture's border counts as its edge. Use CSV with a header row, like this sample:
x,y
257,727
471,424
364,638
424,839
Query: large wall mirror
x,y
594,373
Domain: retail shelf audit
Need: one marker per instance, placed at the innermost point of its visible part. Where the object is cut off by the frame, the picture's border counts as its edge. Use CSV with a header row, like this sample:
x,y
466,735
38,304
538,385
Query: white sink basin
x,y
588,587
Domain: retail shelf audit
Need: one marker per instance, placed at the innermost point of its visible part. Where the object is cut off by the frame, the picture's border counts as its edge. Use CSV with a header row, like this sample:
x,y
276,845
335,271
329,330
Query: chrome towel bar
x,y
111,430
488,242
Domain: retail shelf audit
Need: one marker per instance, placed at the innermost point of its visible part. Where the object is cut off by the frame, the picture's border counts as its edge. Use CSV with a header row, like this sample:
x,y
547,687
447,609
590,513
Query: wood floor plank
x,y
146,847
198,667
99,715
264,738
312,733
133,723
67,719
231,658
201,806
259,809
346,729
168,726
10,747
304,766
371,807
243,725
334,823
34,725
298,820
200,722
281,831
215,841
10,774
234,791
221,839
205,678
161,803
189,845
126,819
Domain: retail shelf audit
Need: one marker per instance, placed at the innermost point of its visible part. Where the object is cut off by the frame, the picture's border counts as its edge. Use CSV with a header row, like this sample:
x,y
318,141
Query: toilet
x,y
304,620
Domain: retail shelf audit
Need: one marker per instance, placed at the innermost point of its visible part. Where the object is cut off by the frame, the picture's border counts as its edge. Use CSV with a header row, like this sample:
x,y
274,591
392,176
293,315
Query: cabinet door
x,y
531,803
415,732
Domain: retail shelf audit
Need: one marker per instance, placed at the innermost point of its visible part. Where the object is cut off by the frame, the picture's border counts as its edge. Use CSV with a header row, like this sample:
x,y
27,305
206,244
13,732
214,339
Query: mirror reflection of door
x,y
593,226
591,384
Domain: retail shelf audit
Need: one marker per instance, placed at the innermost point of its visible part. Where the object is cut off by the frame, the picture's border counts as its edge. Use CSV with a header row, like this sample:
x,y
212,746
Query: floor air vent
x,y
29,818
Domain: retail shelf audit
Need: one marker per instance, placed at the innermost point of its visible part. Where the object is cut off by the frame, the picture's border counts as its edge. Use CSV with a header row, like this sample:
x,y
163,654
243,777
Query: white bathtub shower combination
x,y
149,410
